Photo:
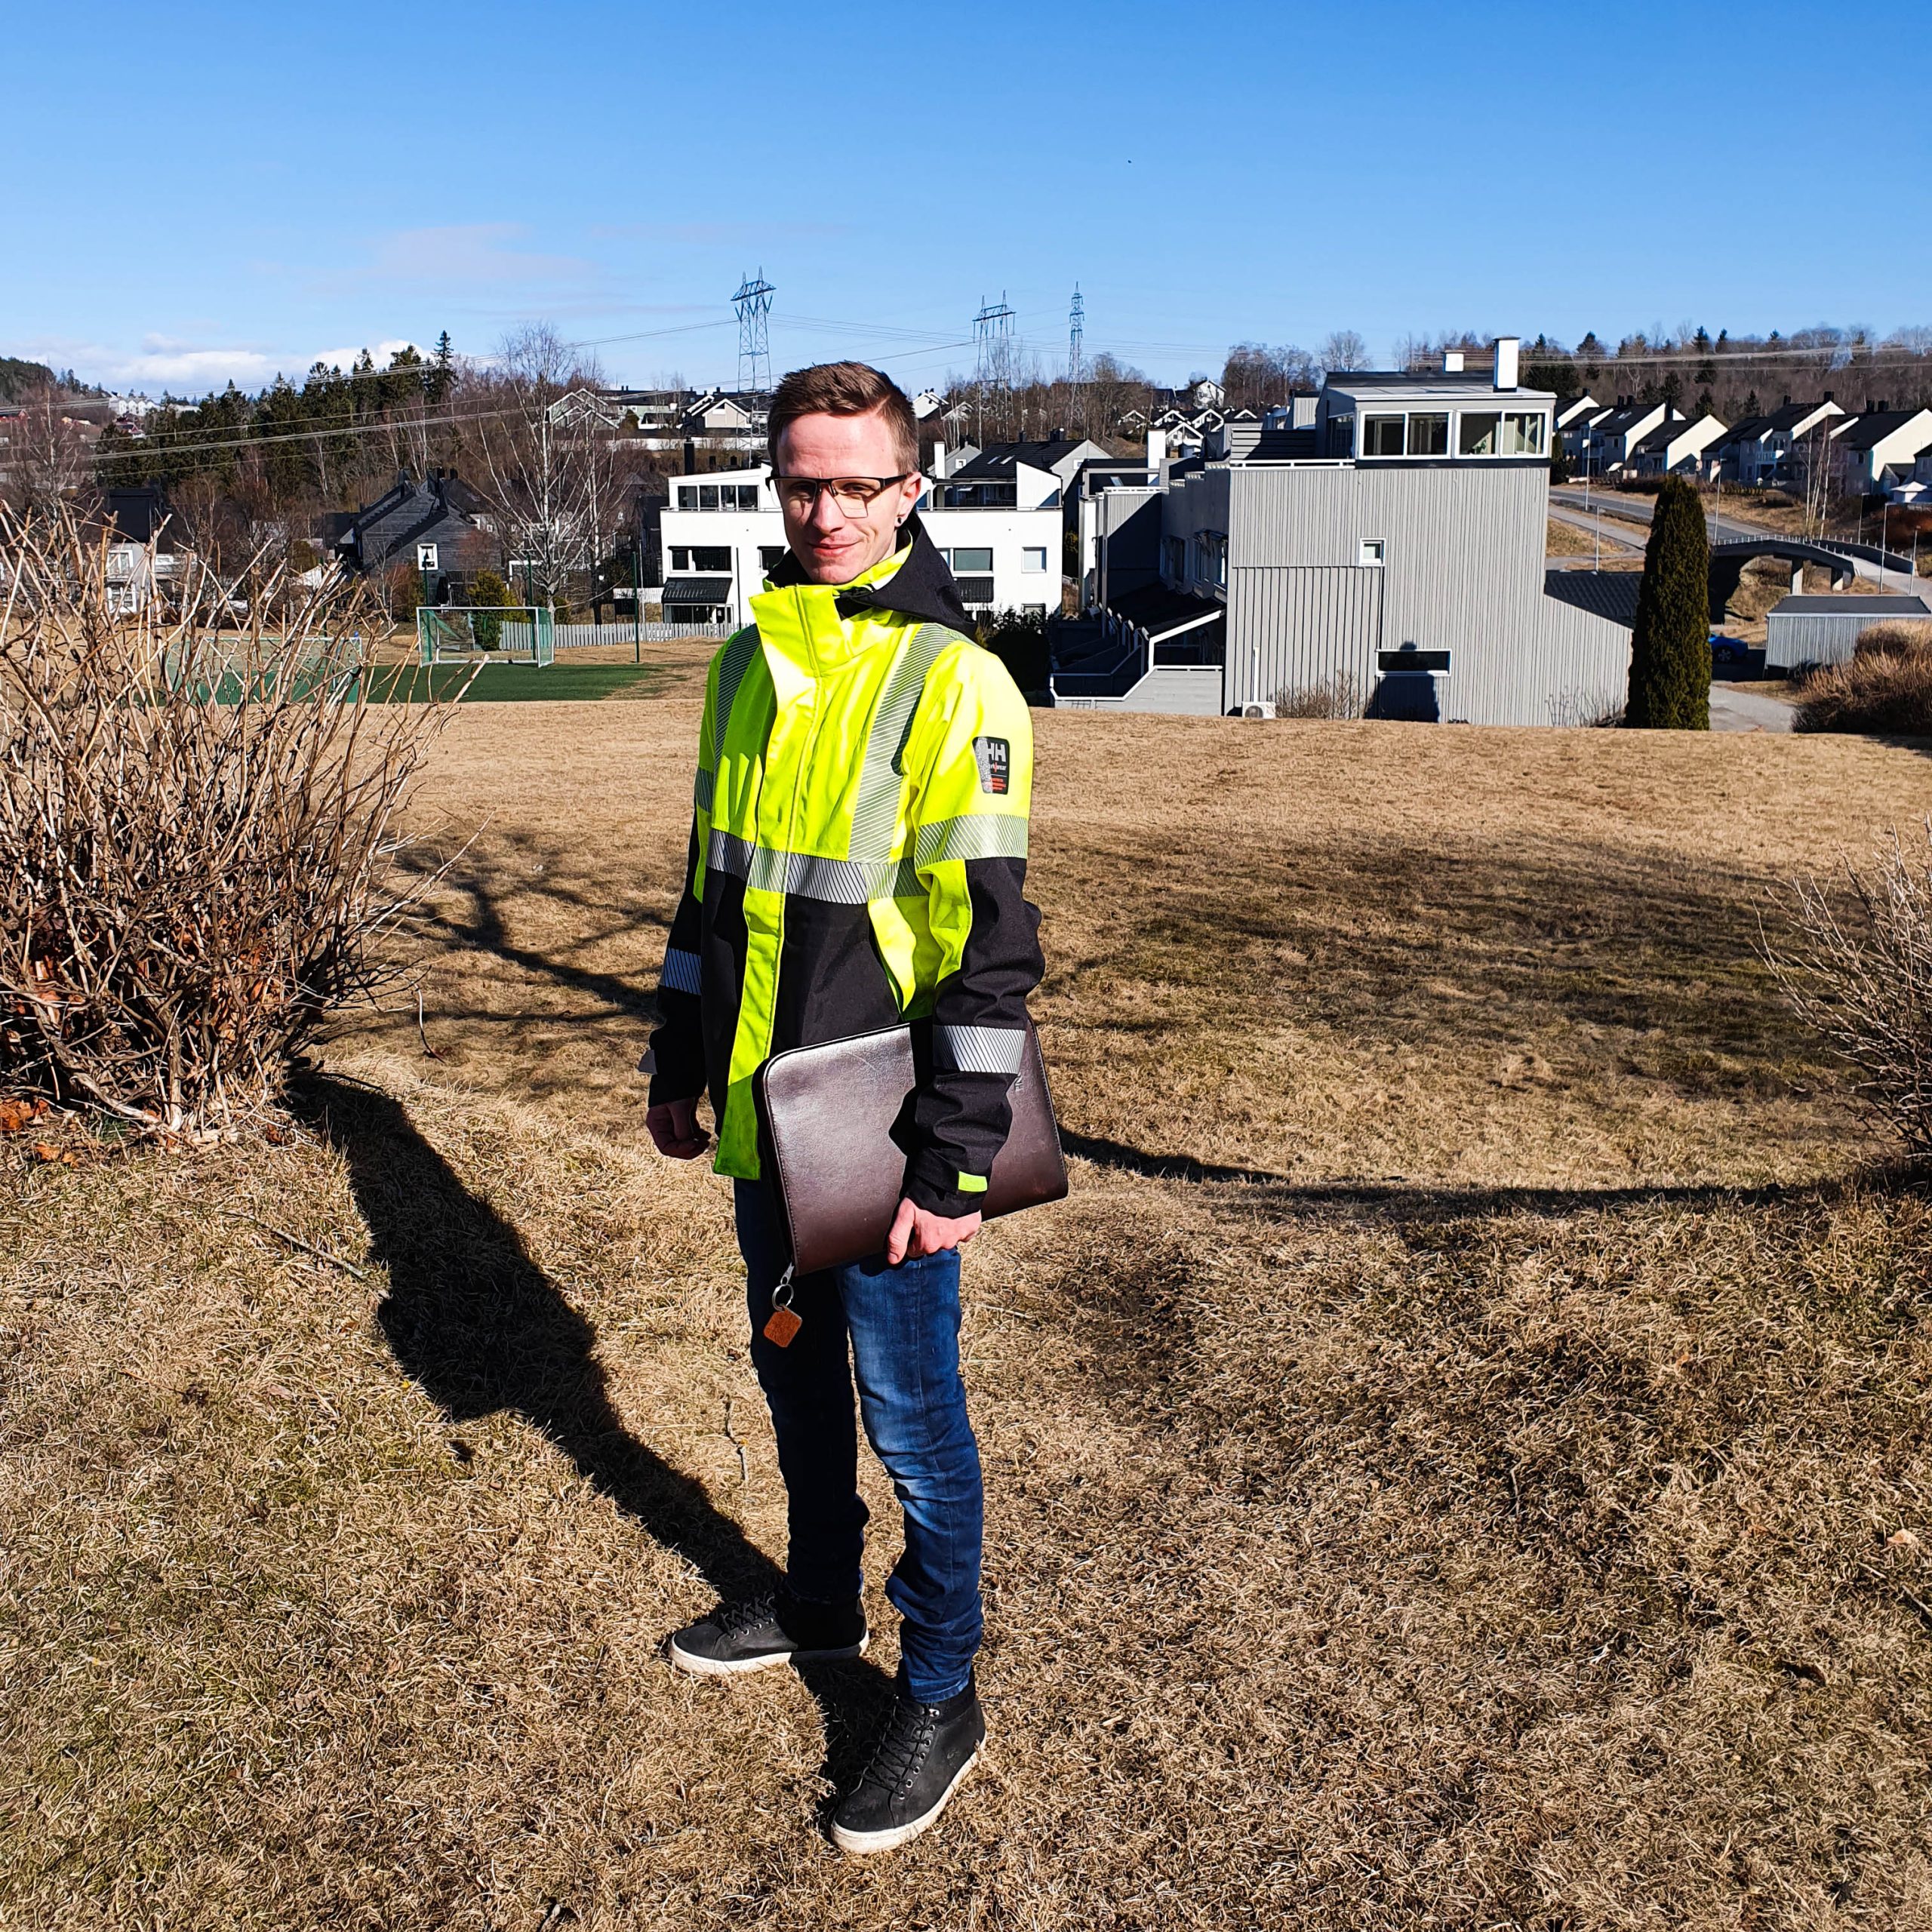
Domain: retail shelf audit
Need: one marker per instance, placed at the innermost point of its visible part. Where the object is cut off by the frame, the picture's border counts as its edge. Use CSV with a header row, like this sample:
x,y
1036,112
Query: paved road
x,y
1724,530
1733,710
1637,510
1618,541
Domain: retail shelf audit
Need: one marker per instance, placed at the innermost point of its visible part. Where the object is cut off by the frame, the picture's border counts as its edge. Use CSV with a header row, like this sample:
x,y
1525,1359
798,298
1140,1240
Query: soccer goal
x,y
485,633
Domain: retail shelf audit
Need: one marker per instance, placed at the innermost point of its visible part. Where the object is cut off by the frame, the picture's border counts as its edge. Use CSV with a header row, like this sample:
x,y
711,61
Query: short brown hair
x,y
846,388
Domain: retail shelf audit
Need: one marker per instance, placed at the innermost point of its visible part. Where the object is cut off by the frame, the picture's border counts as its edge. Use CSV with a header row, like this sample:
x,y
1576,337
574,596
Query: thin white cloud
x,y
465,256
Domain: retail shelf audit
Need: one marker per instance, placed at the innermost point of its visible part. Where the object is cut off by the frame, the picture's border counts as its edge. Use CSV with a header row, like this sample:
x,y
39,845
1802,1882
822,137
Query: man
x,y
857,858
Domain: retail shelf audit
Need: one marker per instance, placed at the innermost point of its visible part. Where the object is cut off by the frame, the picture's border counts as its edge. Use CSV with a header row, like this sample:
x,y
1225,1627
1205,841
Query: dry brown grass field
x,y
1459,1458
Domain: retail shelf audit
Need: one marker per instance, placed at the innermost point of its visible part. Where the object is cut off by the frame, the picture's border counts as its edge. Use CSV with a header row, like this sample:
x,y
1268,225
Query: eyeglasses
x,y
854,495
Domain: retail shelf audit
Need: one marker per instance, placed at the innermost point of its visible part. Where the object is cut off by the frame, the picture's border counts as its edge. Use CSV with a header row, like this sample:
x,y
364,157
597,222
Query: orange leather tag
x,y
781,1327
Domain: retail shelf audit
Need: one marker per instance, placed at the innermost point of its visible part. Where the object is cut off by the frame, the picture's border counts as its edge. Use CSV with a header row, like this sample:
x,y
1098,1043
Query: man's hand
x,y
914,1233
673,1125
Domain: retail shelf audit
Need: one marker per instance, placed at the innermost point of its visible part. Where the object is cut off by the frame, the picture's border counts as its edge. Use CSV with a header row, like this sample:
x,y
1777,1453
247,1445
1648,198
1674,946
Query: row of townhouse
x,y
1874,452
995,514
724,419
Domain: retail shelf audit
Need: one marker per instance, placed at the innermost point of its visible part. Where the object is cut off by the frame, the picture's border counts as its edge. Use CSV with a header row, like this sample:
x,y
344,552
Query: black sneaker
x,y
777,1628
927,1749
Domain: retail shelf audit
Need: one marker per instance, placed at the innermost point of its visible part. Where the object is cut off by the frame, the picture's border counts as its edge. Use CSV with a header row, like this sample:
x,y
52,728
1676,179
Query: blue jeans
x,y
896,1330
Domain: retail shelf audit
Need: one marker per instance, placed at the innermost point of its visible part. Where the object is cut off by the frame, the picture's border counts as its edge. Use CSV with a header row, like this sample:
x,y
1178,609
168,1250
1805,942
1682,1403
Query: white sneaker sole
x,y
697,1666
861,1844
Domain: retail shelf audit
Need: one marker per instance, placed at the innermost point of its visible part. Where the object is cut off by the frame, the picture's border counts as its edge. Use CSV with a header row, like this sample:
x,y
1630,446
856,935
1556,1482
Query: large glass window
x,y
1211,556
1174,554
687,496
1031,559
975,561
1382,436
1428,435
1521,435
1477,432
711,557
707,496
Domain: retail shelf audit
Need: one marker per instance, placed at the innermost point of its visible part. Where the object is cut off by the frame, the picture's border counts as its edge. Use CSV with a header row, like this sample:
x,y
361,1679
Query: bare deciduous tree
x,y
1344,349
548,458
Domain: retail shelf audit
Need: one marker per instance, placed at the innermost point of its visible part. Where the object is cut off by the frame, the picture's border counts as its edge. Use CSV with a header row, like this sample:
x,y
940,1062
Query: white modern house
x,y
720,534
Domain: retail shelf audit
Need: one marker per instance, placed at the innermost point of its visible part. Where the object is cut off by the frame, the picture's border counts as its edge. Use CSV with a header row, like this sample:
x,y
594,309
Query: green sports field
x,y
513,684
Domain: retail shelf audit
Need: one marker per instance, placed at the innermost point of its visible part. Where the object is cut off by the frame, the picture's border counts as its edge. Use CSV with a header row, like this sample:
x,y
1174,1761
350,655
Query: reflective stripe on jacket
x,y
858,857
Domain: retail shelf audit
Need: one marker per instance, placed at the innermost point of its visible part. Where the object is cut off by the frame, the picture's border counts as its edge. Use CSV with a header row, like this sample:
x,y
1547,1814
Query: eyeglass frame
x,y
820,485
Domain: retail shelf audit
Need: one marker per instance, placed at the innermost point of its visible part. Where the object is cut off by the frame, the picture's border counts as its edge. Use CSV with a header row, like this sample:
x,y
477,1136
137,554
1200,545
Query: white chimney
x,y
1157,448
1506,347
938,462
1452,362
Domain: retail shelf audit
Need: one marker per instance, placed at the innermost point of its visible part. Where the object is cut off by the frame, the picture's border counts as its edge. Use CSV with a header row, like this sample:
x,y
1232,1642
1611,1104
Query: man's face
x,y
833,544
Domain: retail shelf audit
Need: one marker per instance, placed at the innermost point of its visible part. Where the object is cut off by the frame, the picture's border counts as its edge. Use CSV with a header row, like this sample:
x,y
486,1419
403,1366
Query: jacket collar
x,y
914,582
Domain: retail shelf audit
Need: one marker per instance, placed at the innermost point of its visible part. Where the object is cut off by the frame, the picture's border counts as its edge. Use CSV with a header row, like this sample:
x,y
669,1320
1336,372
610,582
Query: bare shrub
x,y
1338,695
1590,710
194,832
1886,687
1897,636
1858,969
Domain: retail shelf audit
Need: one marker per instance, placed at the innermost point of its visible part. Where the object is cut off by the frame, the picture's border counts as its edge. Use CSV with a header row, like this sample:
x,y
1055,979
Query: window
x,y
680,557
976,592
1173,553
1382,436
687,496
1033,610
770,556
1211,556
1031,559
979,561
1521,435
739,496
1428,435
707,496
1478,436
1370,551
711,557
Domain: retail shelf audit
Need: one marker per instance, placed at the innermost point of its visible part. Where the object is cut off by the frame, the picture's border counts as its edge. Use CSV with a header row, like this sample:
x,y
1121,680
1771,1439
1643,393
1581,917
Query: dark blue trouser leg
x,y
901,1328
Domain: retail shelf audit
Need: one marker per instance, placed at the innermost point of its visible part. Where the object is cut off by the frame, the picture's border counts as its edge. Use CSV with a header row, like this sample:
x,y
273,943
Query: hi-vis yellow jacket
x,y
858,854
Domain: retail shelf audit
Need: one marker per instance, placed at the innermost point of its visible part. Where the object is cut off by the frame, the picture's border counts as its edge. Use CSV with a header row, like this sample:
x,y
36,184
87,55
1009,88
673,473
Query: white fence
x,y
577,637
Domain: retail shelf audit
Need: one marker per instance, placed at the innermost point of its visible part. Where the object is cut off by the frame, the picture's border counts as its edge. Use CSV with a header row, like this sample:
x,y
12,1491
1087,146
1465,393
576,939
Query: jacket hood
x,y
922,586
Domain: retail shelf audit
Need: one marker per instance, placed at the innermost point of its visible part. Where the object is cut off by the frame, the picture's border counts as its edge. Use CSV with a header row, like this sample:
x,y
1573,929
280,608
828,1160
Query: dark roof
x,y
697,590
1618,420
1611,594
1748,431
1000,460
1866,431
1659,437
1159,610
1284,446
1409,379
1850,607
1788,417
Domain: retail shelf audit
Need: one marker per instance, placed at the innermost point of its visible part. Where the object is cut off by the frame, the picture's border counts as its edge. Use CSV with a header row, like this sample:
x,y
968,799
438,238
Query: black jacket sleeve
x,y
677,1043
961,1114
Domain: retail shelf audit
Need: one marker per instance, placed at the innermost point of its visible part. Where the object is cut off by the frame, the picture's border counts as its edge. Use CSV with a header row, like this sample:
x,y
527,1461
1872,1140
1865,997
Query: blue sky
x,y
210,190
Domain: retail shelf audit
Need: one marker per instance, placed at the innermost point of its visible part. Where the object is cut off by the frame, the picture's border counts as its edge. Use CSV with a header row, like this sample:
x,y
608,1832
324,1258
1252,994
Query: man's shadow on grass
x,y
478,1325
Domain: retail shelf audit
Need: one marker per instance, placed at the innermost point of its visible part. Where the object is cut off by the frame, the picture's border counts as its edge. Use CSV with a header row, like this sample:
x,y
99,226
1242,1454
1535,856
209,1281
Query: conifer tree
x,y
1670,651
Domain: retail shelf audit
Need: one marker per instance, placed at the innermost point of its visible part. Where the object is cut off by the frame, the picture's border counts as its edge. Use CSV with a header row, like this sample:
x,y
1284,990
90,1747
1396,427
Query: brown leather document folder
x,y
836,1113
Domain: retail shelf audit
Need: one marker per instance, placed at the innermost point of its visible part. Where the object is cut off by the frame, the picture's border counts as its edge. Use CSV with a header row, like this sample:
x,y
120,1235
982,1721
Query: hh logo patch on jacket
x,y
995,762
